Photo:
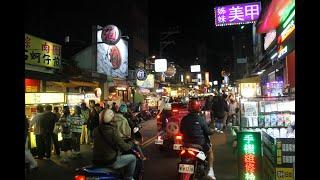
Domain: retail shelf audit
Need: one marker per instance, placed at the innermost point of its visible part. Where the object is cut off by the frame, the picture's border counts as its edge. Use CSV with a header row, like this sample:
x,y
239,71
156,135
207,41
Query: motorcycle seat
x,y
98,170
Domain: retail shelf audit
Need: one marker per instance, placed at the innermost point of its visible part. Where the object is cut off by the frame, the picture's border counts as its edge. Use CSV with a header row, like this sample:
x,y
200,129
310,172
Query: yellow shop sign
x,y
40,52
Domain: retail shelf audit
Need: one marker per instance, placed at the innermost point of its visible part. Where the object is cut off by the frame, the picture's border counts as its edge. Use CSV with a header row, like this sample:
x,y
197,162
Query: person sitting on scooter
x,y
195,130
126,131
108,146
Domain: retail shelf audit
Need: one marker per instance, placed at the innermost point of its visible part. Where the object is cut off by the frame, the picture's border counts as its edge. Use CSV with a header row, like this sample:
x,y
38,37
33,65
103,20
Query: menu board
x,y
44,98
250,108
75,99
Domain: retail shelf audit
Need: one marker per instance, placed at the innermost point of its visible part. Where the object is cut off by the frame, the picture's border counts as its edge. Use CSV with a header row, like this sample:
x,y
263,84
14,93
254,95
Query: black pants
x,y
56,143
47,144
76,141
40,146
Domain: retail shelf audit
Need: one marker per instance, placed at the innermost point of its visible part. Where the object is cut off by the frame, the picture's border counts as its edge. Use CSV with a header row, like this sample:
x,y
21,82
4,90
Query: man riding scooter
x,y
195,131
108,145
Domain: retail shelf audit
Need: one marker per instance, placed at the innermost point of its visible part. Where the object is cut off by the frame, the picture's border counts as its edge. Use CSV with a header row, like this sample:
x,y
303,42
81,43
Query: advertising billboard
x,y
237,14
195,68
112,60
40,52
148,83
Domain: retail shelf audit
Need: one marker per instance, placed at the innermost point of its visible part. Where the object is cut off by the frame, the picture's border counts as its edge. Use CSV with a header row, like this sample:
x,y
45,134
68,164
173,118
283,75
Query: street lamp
x,y
187,77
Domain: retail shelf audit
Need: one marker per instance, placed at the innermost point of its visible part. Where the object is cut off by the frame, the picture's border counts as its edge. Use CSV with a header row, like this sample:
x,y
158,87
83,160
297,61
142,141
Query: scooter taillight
x,y
79,177
178,137
192,153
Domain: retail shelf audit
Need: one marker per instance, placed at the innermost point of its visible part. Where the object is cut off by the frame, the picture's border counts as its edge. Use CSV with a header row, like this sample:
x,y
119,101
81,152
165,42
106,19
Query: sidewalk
x,y
225,162
54,169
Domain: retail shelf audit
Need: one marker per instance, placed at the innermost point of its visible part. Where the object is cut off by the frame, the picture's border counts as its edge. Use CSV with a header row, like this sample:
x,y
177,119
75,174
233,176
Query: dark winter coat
x,y
108,145
194,129
47,122
219,107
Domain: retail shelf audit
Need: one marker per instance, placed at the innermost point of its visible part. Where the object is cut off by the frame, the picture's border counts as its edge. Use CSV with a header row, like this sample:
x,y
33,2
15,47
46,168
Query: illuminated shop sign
x,y
111,35
195,68
160,65
269,38
75,99
41,52
249,154
44,98
287,31
237,14
282,51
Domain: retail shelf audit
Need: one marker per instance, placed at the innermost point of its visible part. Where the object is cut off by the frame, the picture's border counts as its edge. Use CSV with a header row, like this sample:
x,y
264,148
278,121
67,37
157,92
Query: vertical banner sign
x,y
249,155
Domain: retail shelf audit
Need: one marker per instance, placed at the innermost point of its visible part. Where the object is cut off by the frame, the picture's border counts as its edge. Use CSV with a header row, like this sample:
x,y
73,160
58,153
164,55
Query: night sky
x,y
194,19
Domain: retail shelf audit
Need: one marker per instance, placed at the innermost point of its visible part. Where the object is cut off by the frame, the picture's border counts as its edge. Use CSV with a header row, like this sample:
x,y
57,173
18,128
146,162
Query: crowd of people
x,y
224,110
84,126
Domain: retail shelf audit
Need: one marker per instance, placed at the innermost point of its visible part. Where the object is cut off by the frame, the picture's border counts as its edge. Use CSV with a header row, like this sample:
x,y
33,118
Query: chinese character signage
x,y
112,60
111,35
44,98
249,155
41,52
237,14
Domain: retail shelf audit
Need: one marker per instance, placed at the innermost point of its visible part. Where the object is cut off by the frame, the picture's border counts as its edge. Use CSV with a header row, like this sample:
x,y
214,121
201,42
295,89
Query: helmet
x,y
194,105
106,116
123,108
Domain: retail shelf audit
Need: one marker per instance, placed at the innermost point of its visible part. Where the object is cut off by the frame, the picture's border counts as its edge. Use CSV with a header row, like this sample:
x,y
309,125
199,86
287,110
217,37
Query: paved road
x,y
163,165
160,166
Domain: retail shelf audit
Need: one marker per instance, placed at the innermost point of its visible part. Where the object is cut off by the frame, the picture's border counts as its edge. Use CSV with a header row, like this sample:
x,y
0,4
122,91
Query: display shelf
x,y
266,127
277,112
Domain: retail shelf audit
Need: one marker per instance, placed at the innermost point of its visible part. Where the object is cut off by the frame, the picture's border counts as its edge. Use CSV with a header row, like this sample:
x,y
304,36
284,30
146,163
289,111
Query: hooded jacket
x,y
108,144
122,125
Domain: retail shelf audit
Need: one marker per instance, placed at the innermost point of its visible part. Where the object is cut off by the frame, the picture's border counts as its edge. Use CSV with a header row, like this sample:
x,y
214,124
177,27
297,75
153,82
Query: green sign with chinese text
x,y
249,155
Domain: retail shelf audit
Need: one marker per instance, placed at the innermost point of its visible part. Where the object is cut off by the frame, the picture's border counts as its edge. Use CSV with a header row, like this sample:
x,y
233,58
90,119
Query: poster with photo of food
x,y
112,60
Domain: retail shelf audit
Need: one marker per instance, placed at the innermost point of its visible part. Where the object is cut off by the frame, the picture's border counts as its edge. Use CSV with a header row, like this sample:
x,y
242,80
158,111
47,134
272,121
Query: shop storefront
x,y
272,114
32,100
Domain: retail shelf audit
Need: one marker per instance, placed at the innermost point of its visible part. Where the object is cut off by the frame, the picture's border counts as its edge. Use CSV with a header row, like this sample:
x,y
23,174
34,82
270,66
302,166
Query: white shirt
x,y
36,123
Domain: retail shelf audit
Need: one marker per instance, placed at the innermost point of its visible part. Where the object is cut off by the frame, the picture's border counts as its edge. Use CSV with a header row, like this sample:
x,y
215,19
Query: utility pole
x,y
164,42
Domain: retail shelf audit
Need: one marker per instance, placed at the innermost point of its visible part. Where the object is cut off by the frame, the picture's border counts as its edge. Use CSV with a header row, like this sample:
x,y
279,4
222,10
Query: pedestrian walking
x,y
65,122
35,127
47,126
85,116
76,129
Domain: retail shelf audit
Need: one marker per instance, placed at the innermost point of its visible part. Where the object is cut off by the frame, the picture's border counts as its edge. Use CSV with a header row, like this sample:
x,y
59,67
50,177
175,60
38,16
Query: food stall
x,y
34,99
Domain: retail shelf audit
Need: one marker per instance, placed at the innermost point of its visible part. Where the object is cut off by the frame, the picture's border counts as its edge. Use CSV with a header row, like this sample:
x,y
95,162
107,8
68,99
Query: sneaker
x,y
211,174
221,132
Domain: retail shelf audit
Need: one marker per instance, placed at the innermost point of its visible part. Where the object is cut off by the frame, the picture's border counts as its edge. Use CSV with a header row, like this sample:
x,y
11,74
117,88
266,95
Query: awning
x,y
77,84
254,79
82,83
